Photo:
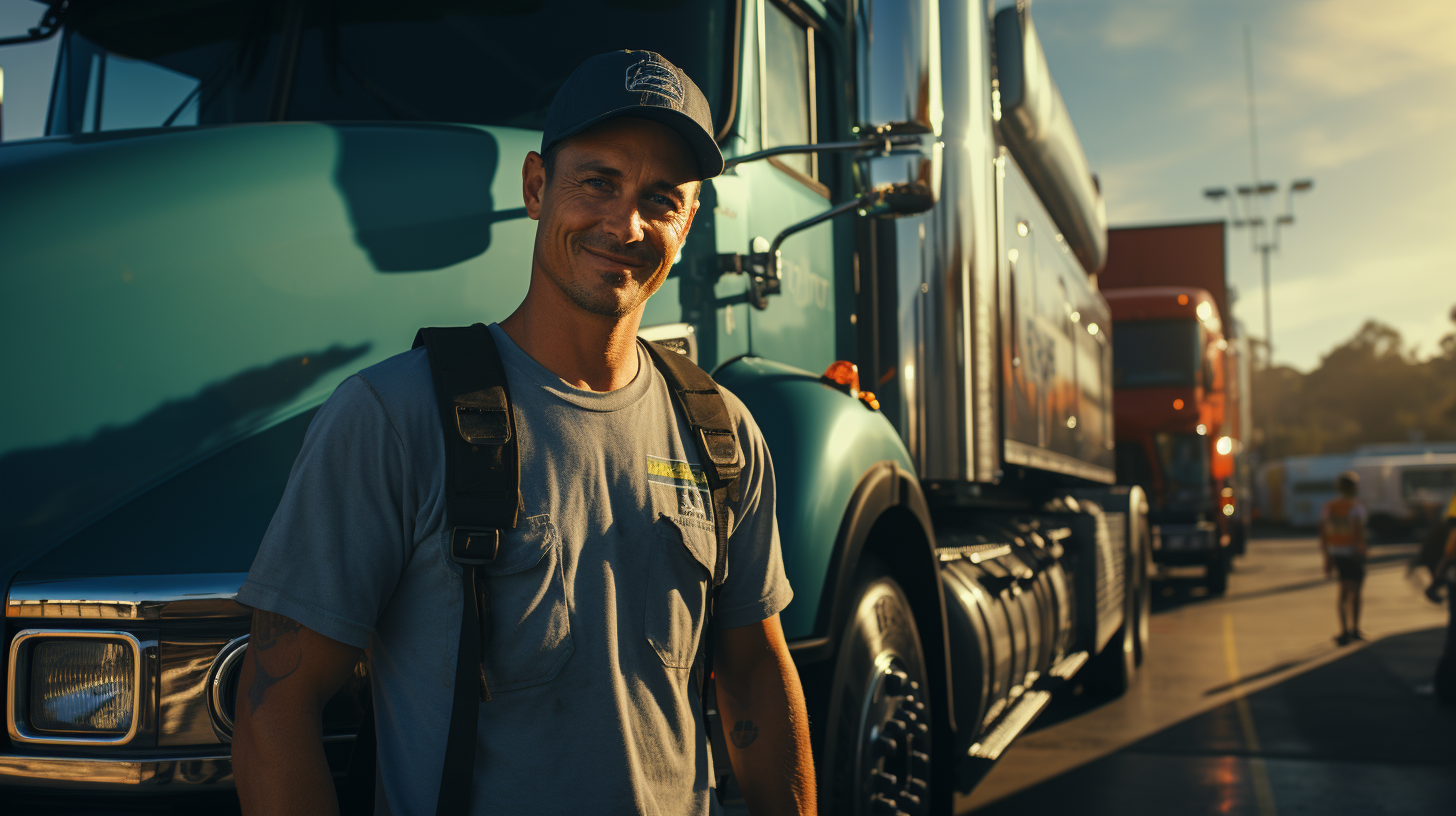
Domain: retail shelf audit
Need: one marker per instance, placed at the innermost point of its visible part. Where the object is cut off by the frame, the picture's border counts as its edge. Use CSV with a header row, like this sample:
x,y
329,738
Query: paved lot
x,y
1246,706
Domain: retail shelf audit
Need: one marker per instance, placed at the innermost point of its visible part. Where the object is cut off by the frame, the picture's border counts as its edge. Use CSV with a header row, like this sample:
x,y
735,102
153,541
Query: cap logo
x,y
649,76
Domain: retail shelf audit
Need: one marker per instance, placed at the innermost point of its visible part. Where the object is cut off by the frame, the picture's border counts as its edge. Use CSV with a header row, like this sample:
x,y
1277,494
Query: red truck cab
x,y
1171,398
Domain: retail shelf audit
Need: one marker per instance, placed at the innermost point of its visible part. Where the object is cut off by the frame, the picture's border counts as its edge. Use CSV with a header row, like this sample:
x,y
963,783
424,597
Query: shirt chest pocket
x,y
678,581
530,630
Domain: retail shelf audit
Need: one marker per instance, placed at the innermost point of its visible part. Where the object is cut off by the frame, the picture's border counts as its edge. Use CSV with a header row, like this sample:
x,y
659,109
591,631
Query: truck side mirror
x,y
897,152
898,43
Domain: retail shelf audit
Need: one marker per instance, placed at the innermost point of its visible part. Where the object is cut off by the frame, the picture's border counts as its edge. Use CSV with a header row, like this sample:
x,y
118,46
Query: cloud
x,y
1333,143
1136,26
1345,48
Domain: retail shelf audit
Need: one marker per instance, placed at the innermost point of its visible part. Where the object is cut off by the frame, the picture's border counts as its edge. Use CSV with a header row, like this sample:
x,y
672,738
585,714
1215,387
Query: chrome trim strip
x,y
230,656
154,775
16,691
163,775
1020,453
128,597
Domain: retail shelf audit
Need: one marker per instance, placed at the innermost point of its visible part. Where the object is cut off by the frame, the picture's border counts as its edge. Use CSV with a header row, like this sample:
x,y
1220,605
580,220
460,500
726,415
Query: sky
x,y
1358,96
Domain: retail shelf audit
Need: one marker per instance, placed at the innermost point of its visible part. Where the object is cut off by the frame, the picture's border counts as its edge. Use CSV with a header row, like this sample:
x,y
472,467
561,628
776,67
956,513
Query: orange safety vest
x,y
1340,526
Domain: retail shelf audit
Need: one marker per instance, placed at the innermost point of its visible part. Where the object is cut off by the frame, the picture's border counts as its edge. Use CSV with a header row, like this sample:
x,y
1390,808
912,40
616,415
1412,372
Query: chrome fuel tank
x,y
1010,614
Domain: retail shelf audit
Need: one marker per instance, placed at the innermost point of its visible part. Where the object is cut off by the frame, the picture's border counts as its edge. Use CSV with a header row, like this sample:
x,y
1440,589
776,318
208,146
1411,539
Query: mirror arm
x,y
813,220
876,143
762,268
50,23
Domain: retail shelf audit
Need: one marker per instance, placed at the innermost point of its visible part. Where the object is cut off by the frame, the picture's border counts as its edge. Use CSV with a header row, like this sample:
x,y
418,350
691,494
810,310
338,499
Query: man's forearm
x,y
288,674
278,756
767,728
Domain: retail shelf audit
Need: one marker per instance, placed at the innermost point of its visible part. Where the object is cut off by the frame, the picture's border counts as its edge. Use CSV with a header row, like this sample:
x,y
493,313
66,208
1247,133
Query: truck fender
x,y
888,516
845,482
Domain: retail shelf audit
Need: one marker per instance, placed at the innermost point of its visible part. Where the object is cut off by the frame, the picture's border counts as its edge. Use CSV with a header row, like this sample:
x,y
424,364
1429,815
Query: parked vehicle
x,y
1403,493
1309,483
241,203
1181,376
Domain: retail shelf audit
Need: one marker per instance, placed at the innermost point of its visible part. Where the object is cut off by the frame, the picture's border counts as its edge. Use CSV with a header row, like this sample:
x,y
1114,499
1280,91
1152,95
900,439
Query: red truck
x,y
1180,405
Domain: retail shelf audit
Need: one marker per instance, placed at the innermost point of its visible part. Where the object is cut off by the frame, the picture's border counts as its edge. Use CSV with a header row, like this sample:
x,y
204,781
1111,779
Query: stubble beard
x,y
602,299
596,302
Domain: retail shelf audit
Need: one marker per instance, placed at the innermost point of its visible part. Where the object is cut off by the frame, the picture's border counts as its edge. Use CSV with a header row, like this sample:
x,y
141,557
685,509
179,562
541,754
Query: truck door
x,y
798,325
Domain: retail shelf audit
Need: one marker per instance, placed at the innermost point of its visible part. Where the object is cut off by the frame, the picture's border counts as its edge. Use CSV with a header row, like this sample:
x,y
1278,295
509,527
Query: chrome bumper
x,y
151,775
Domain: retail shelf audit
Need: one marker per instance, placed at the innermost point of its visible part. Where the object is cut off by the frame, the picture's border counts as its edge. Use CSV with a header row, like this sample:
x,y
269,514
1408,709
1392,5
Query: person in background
x,y
1342,540
1445,575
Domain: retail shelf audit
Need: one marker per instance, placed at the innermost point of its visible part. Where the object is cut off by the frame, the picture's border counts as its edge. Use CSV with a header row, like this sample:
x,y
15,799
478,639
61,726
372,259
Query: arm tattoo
x,y
275,651
743,734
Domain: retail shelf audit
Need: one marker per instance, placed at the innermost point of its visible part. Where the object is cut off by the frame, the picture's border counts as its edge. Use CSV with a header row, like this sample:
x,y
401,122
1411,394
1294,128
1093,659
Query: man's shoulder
x,y
740,416
399,386
405,376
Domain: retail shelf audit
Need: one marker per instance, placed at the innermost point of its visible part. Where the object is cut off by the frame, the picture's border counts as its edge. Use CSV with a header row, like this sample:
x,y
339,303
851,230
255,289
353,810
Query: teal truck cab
x,y
238,204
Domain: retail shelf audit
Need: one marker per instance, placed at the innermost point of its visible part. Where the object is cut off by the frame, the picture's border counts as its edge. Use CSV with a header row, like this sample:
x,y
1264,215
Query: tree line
x,y
1371,388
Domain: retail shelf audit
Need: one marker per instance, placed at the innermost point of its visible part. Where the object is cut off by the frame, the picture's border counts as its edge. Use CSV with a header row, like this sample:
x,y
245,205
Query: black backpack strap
x,y
706,411
482,497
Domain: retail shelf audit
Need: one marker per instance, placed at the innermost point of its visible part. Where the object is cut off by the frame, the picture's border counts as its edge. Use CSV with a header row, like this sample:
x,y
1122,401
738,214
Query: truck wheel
x,y
1110,673
1218,570
1142,602
877,747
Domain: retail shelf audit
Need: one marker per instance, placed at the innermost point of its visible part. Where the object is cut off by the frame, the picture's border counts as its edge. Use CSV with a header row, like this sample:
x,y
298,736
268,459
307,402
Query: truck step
x,y
1067,667
1012,723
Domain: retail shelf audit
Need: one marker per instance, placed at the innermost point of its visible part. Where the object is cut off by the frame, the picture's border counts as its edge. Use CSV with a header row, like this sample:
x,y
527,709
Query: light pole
x,y
1245,211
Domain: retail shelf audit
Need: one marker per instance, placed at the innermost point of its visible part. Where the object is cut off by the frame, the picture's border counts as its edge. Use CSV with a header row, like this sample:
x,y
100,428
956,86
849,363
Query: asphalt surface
x,y
1245,705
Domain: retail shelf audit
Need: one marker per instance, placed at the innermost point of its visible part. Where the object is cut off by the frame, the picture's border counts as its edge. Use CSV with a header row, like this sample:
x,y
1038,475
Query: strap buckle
x,y
474,546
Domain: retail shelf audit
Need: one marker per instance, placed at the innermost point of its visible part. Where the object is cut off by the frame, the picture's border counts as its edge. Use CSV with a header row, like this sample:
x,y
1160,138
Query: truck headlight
x,y
74,686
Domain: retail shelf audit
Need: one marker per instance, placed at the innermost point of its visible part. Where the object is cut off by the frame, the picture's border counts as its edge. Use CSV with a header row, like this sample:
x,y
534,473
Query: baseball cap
x,y
640,84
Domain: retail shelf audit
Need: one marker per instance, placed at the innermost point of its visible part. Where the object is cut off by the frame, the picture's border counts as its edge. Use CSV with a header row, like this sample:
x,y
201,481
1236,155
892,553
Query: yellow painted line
x,y
1258,771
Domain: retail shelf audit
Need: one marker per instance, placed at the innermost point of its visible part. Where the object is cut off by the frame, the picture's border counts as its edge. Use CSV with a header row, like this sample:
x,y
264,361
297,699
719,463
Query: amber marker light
x,y
1182,300
844,374
1177,405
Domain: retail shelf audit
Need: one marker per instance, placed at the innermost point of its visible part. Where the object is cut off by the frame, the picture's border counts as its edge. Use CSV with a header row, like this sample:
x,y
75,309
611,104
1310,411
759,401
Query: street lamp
x,y
1263,237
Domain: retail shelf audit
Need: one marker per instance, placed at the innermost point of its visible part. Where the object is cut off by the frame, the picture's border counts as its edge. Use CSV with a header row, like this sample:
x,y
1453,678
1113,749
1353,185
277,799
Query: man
x,y
597,597
1342,540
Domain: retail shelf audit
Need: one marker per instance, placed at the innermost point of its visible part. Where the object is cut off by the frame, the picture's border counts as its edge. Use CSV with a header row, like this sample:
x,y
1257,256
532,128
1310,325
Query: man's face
x,y
613,214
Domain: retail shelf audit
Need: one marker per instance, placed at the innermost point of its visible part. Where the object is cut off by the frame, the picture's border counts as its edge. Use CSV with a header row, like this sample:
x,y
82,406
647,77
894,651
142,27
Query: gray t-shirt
x,y
597,596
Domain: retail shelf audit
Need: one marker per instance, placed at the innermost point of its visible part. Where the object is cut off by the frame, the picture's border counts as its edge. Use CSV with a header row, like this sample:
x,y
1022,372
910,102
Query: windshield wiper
x,y
49,24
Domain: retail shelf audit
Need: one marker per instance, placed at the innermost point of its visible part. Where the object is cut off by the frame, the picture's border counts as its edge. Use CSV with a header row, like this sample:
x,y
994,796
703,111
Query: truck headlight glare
x,y
76,686
82,686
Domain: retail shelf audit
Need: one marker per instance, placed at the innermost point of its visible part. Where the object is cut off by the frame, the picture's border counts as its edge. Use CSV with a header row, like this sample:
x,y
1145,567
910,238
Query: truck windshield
x,y
1156,354
1183,459
145,63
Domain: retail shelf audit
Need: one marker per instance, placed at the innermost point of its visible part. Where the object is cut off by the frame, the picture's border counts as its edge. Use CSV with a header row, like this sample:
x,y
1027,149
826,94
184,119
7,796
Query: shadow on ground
x,y
1355,736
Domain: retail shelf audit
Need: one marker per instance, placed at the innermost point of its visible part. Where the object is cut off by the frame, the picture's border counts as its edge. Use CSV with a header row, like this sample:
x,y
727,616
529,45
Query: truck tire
x,y
1109,674
876,756
1143,596
1217,576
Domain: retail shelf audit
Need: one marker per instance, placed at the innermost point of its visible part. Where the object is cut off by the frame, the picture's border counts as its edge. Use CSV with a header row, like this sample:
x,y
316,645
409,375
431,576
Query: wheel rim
x,y
893,759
